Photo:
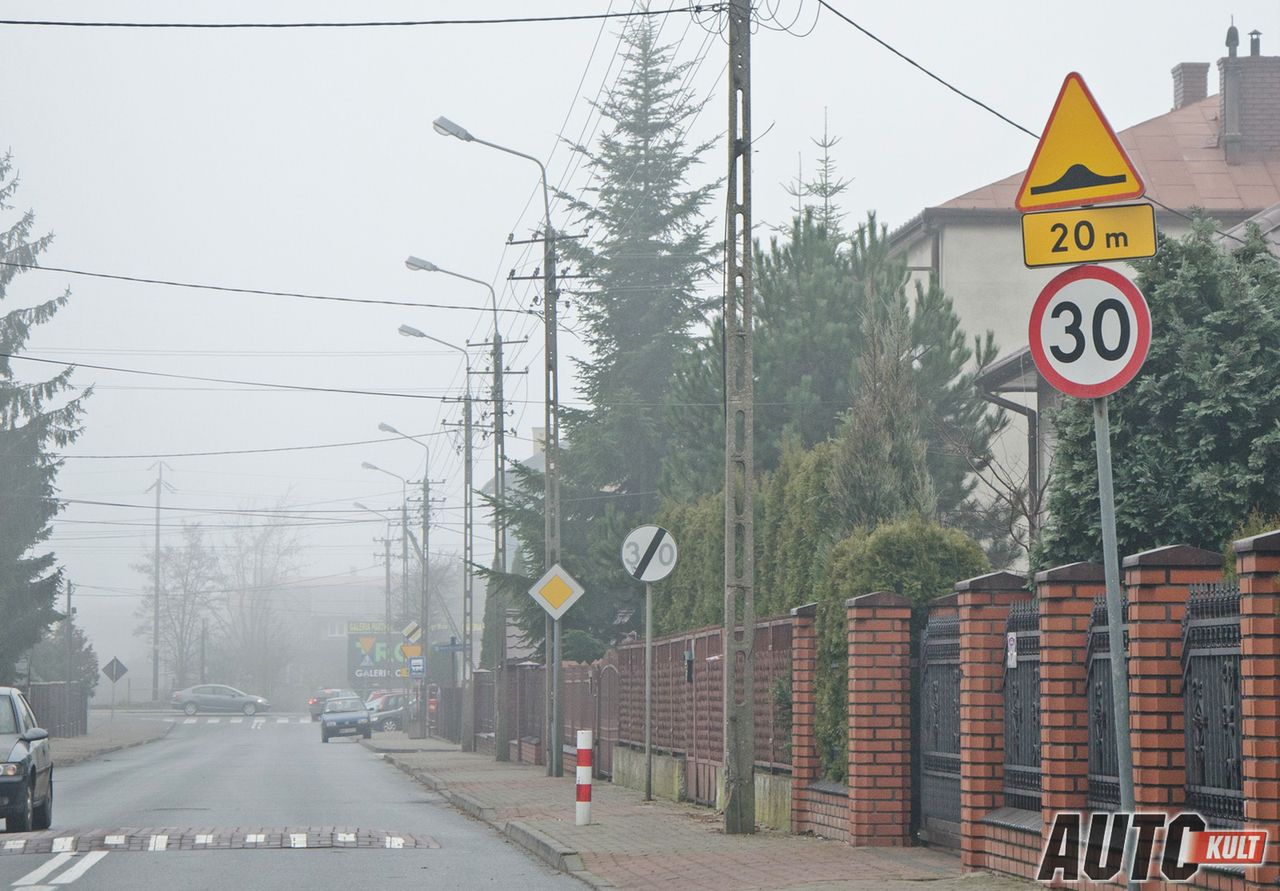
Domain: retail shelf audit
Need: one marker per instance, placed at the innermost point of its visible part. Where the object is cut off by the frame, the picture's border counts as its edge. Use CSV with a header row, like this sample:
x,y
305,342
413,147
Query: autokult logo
x,y
1187,844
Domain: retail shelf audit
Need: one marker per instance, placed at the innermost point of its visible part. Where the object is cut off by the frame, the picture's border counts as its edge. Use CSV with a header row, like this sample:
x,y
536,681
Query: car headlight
x,y
10,770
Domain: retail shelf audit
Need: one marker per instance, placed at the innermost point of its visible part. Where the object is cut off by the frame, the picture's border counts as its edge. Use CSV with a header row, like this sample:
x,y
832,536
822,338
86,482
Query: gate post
x,y
1066,596
879,719
984,608
1258,567
804,749
1158,583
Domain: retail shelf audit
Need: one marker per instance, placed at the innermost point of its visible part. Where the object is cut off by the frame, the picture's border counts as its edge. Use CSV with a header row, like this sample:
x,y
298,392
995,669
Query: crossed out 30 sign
x,y
1090,331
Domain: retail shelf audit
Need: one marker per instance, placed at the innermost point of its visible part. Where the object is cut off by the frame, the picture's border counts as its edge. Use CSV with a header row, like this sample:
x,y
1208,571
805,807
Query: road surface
x,y
256,803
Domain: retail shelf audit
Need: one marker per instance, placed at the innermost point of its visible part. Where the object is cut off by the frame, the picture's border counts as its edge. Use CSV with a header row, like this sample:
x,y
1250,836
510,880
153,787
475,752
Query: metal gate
x,y
939,734
1211,704
1104,764
1022,708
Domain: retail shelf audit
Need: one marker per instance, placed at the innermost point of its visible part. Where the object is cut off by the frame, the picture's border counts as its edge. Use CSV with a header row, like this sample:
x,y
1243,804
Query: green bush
x,y
915,558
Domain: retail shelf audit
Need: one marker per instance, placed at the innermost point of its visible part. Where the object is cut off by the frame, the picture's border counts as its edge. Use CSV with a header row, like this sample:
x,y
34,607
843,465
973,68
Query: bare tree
x,y
189,578
254,637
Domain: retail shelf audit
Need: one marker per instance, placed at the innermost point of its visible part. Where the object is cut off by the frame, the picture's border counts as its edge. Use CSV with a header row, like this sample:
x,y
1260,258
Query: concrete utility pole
x,y
404,556
551,518
70,660
424,694
204,646
739,466
160,486
468,580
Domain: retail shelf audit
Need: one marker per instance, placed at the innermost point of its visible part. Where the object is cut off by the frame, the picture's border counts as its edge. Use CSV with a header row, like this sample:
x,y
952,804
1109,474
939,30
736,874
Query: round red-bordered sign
x,y
1090,331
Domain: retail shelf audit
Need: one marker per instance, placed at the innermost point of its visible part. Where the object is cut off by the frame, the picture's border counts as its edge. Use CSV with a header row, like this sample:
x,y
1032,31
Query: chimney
x,y
1249,104
1190,83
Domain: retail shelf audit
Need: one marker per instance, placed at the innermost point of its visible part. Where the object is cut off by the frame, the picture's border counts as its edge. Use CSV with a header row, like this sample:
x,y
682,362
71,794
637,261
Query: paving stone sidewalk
x,y
636,844
107,735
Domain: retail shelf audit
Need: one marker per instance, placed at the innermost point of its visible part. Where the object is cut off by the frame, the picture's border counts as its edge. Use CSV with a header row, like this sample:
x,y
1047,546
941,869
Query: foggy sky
x,y
304,160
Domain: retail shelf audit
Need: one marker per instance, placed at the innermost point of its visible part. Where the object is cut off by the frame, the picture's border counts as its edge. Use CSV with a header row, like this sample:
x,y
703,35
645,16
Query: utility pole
x,y
424,695
204,646
468,580
70,661
501,728
739,537
386,546
159,485
404,557
551,518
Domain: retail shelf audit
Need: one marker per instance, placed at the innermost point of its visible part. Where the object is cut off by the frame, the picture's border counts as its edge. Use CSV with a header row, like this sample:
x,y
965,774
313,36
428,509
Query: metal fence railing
x,y
62,709
1022,708
1104,763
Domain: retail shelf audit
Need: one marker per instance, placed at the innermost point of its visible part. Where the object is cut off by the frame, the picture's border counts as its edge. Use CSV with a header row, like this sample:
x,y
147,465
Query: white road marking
x,y
282,720
189,721
66,843
16,844
255,838
214,721
80,868
297,839
346,838
258,722
204,839
43,870
237,720
114,840
158,843
395,841
170,720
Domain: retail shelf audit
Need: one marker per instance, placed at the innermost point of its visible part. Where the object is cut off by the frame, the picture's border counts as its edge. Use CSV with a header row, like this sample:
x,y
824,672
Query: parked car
x,y
316,703
389,711
26,773
345,715
218,698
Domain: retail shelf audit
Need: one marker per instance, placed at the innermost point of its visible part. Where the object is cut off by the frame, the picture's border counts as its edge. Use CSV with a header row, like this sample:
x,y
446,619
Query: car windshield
x,y
343,705
8,720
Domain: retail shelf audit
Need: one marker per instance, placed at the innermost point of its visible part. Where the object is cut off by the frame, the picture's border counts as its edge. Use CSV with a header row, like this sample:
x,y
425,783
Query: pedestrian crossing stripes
x,y
164,840
256,721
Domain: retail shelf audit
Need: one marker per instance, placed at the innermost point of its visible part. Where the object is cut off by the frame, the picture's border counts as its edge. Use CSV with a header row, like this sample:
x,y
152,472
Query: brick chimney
x,y
1190,83
1249,118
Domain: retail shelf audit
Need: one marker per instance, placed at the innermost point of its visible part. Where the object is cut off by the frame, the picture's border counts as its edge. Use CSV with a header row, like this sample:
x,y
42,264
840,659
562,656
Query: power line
x,y
301,448
301,295
407,23
220,380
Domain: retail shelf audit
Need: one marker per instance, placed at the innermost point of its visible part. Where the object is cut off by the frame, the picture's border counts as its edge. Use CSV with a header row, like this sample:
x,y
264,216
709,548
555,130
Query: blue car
x,y
26,766
344,716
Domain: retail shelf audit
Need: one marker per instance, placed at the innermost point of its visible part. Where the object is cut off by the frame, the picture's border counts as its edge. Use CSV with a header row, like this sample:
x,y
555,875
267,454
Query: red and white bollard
x,y
583,814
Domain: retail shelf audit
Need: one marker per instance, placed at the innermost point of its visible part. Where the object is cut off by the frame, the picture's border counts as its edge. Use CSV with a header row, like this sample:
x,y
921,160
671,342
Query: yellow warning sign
x,y
1089,235
1079,160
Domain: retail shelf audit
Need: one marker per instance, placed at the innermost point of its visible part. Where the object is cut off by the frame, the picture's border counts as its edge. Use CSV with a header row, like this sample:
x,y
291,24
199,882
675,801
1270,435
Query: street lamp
x,y
551,475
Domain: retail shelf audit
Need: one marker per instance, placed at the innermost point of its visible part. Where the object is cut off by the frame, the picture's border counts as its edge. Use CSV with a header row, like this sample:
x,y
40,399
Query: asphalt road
x,y
257,804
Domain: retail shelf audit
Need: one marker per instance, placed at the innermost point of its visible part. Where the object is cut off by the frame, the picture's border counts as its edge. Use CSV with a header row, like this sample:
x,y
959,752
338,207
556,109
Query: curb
x,y
547,849
98,753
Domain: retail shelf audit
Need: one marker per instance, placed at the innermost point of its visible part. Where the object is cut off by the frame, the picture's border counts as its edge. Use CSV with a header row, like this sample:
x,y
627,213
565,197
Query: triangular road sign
x,y
1079,160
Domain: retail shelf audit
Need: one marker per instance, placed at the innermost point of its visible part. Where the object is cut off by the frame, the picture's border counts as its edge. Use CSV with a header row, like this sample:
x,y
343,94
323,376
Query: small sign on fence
x,y
1011,650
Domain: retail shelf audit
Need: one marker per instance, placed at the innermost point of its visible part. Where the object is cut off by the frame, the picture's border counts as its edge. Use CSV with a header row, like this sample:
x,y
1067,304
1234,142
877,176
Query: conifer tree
x,y
35,416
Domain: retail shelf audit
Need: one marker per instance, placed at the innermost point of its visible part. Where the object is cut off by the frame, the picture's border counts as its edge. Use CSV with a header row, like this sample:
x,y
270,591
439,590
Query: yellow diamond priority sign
x,y
556,591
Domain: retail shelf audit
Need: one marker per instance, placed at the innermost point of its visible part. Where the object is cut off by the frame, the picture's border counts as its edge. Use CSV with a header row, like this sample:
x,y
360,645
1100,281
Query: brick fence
x,y
1002,820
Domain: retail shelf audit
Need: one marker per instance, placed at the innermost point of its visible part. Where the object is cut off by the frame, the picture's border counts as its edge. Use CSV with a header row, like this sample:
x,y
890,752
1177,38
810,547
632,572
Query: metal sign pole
x,y
648,692
1116,625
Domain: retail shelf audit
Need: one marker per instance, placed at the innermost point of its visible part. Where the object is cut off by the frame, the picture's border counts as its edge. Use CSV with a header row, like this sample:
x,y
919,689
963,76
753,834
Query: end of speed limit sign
x,y
649,553
1090,331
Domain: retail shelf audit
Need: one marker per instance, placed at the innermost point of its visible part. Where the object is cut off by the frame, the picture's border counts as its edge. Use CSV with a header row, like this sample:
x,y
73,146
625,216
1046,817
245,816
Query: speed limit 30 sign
x,y
1090,331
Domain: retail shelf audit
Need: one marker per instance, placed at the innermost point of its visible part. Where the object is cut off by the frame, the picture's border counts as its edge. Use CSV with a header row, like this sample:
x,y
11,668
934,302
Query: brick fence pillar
x,y
879,719
1157,583
983,604
1258,566
804,749
1066,599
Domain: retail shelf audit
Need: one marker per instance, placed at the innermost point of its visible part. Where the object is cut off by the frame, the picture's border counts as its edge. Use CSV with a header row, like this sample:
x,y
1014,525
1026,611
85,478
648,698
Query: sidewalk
x,y
107,735
636,844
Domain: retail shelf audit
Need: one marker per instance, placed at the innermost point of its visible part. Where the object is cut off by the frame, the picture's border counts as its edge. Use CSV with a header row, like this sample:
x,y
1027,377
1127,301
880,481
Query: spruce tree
x,y
35,416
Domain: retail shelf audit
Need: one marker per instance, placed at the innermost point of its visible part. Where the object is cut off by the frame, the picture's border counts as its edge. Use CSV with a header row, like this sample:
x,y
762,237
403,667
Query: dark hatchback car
x,y
26,771
390,711
316,703
345,716
218,698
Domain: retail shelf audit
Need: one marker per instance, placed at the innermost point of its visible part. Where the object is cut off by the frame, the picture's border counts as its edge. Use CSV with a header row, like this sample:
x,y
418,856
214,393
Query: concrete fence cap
x,y
1266,543
807,610
994,581
878,598
1174,555
1073,572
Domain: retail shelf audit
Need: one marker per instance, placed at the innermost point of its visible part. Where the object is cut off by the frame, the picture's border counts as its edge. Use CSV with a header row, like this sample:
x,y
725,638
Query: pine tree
x,y
643,264
35,416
